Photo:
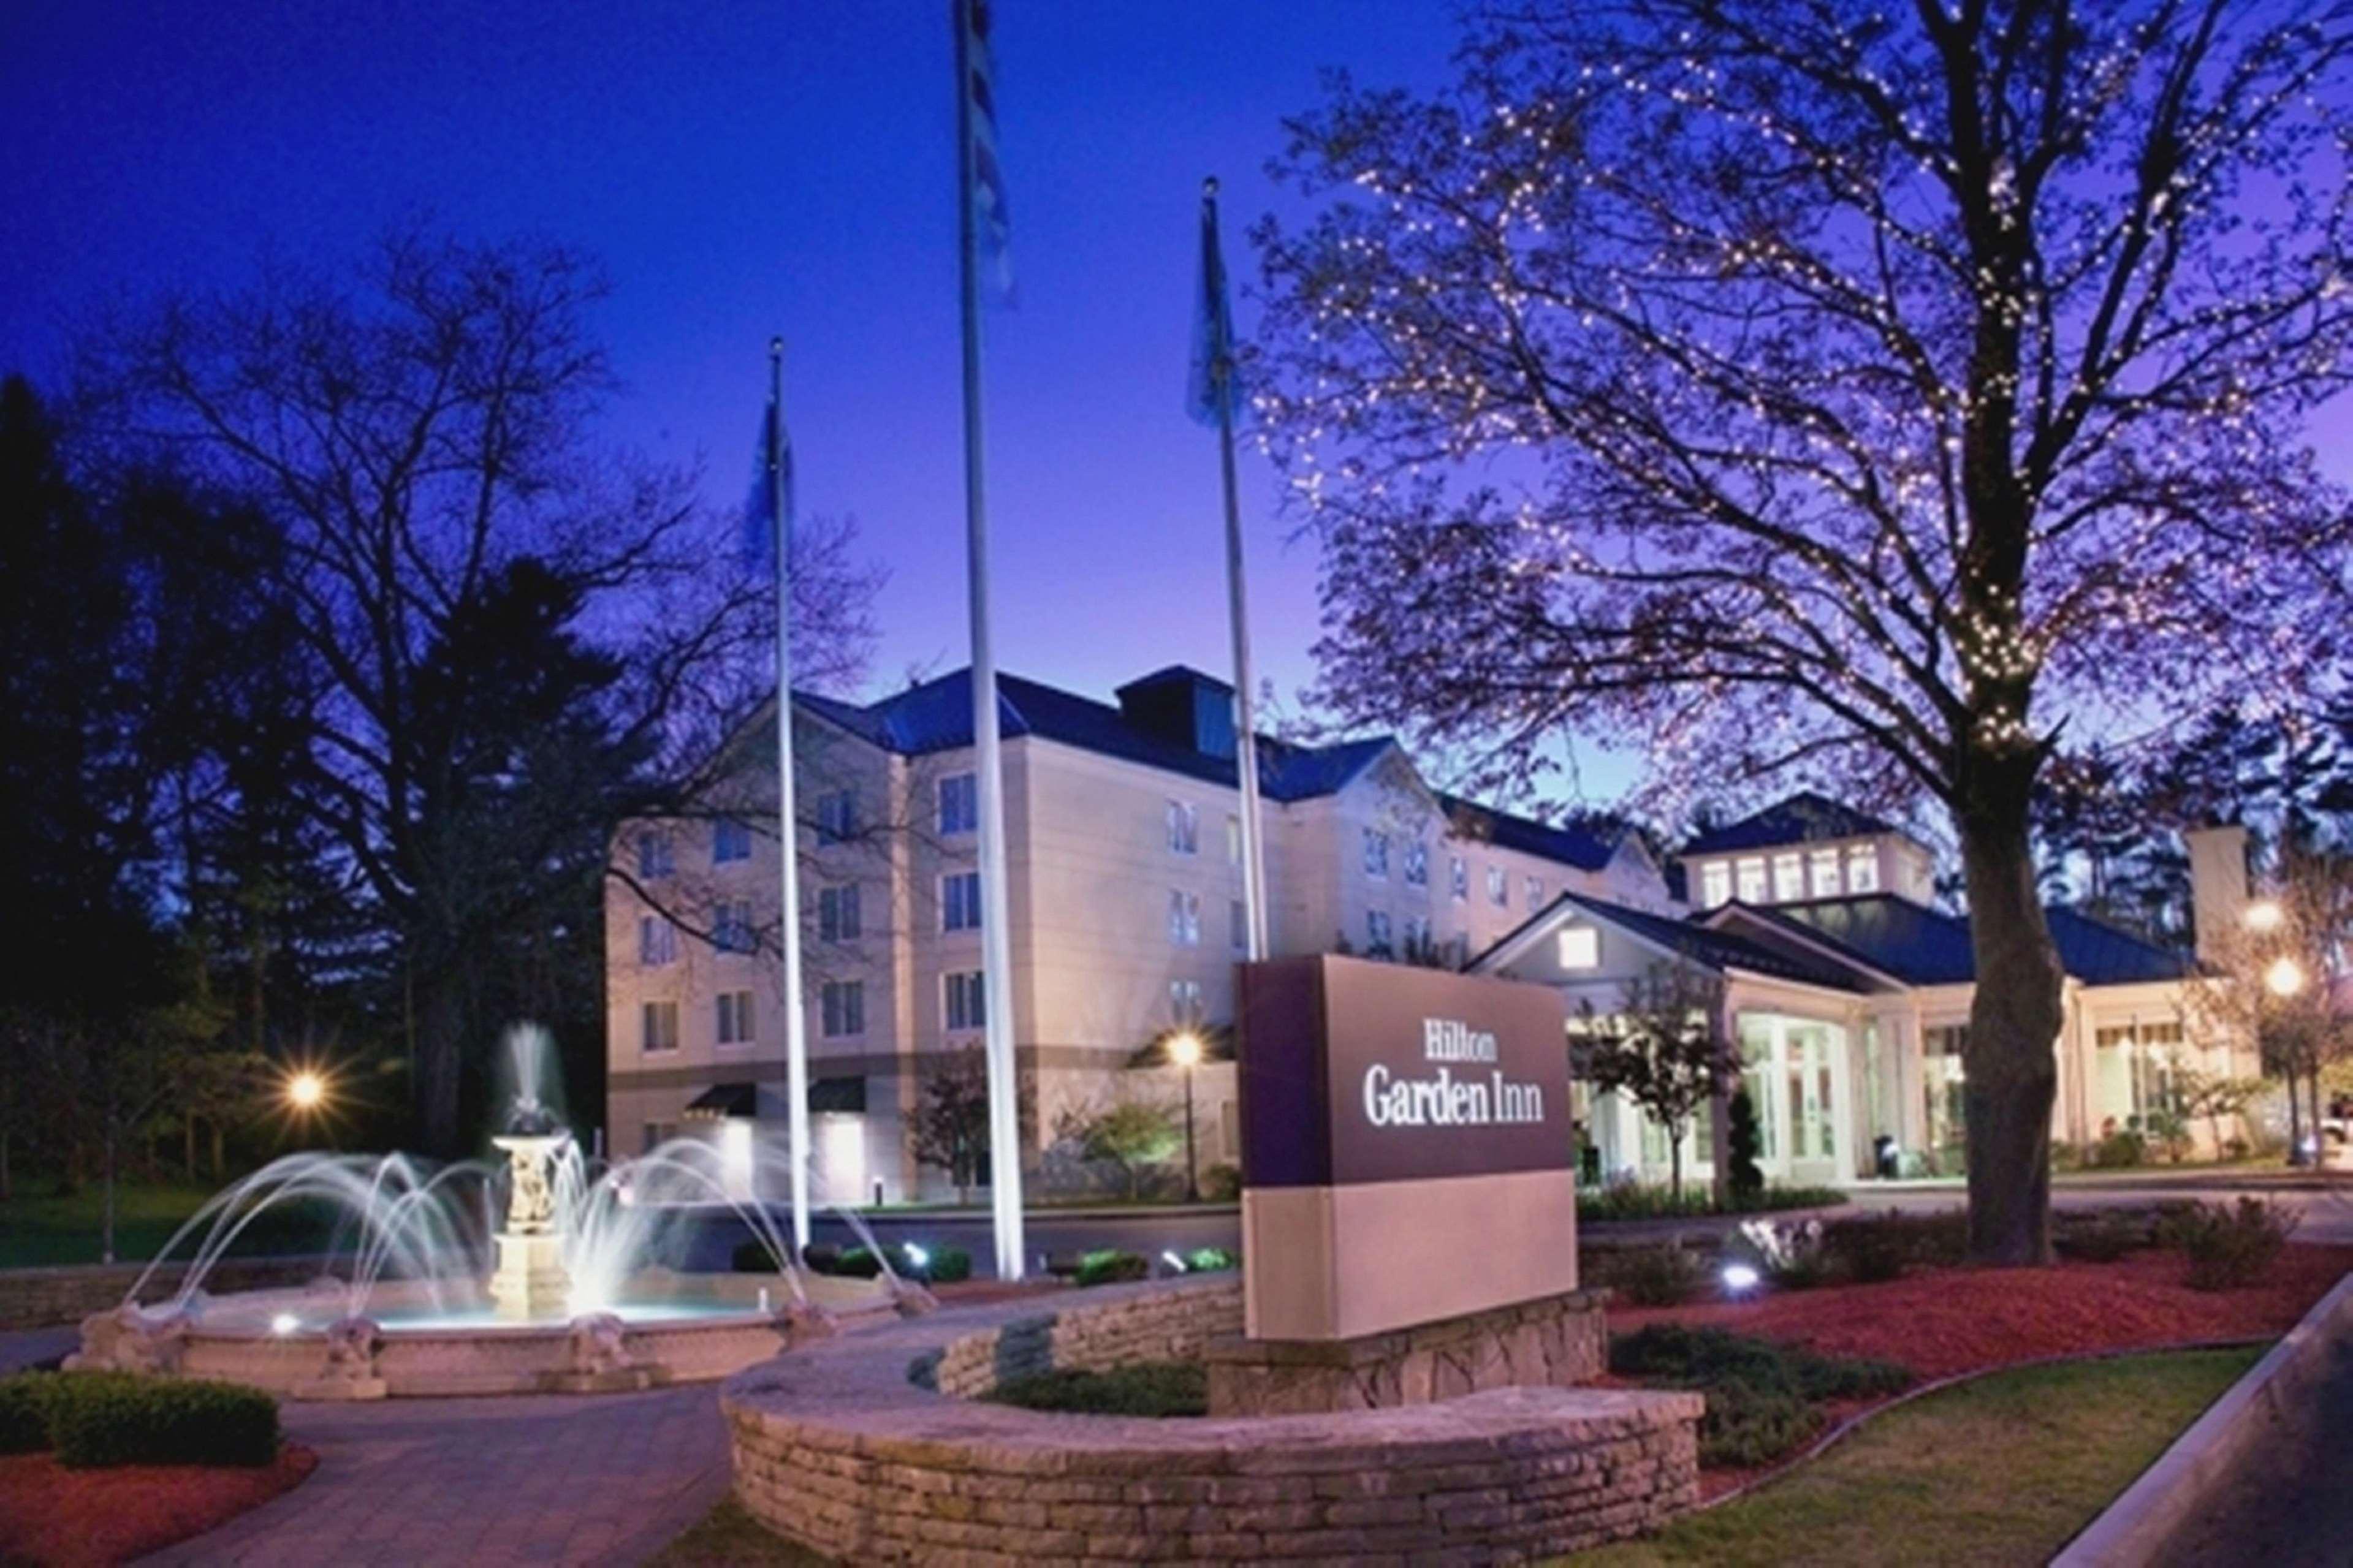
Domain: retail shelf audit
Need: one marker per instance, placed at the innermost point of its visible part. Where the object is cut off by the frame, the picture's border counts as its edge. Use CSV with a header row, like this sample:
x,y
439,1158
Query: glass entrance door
x,y
1795,1072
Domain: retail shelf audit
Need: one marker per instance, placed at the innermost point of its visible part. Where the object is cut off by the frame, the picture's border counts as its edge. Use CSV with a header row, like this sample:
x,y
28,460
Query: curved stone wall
x,y
851,1448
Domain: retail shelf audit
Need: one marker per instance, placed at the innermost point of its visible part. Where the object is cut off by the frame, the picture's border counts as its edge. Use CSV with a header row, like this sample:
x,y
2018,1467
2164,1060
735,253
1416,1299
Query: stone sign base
x,y
1556,1341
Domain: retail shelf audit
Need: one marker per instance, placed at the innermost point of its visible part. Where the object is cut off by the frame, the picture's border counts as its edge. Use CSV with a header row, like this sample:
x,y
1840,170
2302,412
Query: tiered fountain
x,y
567,1290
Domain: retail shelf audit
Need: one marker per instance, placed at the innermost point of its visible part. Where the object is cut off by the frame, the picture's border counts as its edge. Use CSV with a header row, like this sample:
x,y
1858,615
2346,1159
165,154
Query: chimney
x,y
2217,885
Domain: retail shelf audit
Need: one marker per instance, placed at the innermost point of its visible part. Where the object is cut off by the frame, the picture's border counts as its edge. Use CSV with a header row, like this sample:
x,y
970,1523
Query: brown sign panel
x,y
1356,1071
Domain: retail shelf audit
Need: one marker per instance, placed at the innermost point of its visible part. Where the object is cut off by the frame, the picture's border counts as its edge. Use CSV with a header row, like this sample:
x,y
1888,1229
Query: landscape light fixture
x,y
1185,1050
2264,915
1739,1279
2284,977
306,1089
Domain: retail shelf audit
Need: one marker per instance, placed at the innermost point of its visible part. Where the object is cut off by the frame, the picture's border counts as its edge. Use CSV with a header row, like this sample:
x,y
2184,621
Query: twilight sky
x,y
742,169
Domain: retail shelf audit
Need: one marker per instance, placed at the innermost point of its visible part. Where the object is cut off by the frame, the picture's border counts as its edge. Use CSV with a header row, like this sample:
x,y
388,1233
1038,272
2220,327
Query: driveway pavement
x,y
595,1479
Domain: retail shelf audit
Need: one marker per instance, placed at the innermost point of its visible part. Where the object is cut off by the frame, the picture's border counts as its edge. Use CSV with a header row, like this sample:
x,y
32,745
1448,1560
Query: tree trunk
x,y
2011,1076
1675,1165
106,1224
188,1145
439,1058
2294,1120
220,1163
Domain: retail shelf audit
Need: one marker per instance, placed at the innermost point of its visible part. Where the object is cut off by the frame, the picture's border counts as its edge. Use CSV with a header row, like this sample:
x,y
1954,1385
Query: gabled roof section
x,y
1570,843
1922,946
1705,946
1803,818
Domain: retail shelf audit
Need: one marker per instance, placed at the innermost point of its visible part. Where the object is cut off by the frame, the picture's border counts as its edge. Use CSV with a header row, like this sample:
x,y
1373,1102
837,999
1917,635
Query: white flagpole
x,y
996,945
1222,368
797,1128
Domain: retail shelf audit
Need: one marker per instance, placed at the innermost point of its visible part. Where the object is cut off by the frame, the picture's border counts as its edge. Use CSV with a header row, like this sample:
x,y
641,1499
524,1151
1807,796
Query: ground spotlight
x,y
1739,1277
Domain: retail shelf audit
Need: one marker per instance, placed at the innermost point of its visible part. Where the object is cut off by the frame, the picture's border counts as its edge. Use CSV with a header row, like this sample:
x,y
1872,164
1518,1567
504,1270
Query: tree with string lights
x,y
1785,387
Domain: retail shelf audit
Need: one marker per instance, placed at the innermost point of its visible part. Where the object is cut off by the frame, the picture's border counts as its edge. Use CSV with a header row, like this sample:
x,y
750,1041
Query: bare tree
x,y
1663,1049
951,1124
523,635
1777,385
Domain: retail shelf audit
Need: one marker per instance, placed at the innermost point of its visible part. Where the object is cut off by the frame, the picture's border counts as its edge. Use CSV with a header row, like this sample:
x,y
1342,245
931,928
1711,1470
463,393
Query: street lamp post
x,y
1185,1050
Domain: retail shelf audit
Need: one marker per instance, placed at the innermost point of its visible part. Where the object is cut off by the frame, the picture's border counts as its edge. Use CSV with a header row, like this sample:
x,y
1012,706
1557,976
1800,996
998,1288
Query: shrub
x,y
1663,1275
1792,1256
2100,1237
24,1412
2119,1151
1869,1249
1207,1259
1145,1388
944,1264
2231,1244
1760,1395
1110,1265
1634,1200
94,1418
2066,1155
752,1257
853,1263
1221,1184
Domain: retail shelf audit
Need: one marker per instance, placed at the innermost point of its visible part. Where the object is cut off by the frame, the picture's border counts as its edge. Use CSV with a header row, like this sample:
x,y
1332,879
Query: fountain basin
x,y
417,1341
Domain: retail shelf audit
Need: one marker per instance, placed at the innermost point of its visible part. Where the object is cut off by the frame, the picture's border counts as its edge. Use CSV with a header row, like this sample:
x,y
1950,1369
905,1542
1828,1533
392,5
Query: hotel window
x,y
653,854
1417,864
1752,880
657,941
965,1007
735,1018
1825,865
1184,828
1240,915
731,928
1417,938
1716,883
1458,877
730,840
1185,1001
1536,894
1499,887
1376,932
1376,853
1580,948
960,901
1184,917
842,1008
1788,879
659,1024
838,917
959,804
1862,870
837,816
1234,839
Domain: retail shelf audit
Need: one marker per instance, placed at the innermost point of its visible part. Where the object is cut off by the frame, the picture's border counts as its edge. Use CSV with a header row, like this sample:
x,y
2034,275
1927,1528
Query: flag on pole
x,y
1211,392
768,510
992,228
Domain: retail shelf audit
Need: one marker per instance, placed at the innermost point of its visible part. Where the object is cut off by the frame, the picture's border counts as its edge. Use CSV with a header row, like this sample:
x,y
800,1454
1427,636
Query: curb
x,y
2136,1528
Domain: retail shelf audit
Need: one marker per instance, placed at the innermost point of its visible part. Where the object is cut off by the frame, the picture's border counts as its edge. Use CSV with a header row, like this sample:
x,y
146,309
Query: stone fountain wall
x,y
43,1297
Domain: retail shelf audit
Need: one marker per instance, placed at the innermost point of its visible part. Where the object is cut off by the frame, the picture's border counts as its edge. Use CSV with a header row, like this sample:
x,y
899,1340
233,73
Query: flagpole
x,y
1221,369
996,945
797,1128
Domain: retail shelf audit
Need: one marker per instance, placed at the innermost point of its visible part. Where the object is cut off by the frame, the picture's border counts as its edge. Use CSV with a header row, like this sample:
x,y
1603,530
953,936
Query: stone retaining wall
x,y
841,1448
1555,1342
40,1298
1090,1336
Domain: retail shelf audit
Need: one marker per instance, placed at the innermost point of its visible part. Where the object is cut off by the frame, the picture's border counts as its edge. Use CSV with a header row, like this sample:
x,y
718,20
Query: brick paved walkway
x,y
607,1479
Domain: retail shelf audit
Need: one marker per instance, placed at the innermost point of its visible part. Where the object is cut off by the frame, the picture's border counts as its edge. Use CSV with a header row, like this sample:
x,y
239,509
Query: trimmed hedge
x,y
1110,1265
96,1419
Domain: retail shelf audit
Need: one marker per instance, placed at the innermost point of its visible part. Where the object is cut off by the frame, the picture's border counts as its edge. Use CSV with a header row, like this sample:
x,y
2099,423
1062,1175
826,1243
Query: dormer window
x,y
1862,869
1825,868
1752,879
1716,883
1789,878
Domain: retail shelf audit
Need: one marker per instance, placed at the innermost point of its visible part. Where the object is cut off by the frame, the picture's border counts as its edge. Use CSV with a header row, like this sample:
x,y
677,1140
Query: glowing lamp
x,y
1740,1278
2284,977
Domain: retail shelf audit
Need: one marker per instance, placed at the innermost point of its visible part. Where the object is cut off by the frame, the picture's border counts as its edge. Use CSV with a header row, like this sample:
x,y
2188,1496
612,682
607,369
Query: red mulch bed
x,y
1945,1321
69,1519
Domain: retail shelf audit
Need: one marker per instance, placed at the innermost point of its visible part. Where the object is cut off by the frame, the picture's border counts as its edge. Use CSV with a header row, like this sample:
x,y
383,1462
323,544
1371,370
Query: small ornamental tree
x,y
1133,1134
951,1127
1663,1050
1745,1142
1773,386
2214,1099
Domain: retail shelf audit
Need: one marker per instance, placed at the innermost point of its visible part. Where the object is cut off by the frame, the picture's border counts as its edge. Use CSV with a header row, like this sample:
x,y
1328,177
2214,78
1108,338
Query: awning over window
x,y
721,1101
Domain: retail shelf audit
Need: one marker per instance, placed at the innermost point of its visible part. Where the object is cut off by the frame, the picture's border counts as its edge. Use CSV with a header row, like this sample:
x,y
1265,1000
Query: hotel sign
x,y
1355,1071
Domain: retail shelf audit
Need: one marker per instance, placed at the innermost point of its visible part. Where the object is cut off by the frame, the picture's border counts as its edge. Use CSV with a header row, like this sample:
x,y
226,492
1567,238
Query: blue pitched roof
x,y
1704,945
1802,818
1929,947
936,716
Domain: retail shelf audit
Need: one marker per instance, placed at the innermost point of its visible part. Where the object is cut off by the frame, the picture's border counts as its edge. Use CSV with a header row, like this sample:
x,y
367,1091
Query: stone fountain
x,y
531,1282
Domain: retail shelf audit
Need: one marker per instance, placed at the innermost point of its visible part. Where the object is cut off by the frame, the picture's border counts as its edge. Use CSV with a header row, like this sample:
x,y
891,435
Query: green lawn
x,y
38,1228
1998,1471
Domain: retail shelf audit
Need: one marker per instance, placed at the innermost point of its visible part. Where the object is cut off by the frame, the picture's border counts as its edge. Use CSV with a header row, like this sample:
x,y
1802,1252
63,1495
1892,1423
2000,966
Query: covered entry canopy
x,y
721,1101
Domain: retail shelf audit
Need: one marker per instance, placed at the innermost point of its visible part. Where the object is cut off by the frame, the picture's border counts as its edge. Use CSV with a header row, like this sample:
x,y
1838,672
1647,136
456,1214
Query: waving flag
x,y
768,510
1211,392
992,228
